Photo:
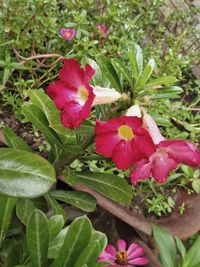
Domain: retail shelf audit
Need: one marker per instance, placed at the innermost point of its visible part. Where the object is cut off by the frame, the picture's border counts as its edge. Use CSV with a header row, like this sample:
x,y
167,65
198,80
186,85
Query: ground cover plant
x,y
97,115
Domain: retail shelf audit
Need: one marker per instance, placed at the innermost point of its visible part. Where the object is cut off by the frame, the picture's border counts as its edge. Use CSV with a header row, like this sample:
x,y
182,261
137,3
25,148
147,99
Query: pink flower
x,y
72,93
101,28
68,34
124,257
123,140
168,155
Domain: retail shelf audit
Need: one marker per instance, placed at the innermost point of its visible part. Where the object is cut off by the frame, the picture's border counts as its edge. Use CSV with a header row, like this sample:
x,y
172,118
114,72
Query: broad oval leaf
x,y
37,235
110,185
24,174
56,224
81,200
56,244
24,209
77,238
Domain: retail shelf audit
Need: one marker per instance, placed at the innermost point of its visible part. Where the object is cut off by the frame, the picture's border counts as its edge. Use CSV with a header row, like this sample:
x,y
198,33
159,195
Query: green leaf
x,y
7,206
180,247
77,238
136,61
81,200
146,74
56,207
166,245
39,120
56,244
166,80
169,92
110,185
37,234
89,255
109,71
24,174
24,209
193,255
56,224
14,141
196,185
97,79
121,68
47,106
101,239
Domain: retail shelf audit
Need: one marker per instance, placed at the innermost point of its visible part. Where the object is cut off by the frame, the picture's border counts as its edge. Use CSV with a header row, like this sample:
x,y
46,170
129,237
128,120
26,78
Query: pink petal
x,y
70,116
132,248
124,155
162,165
133,122
152,128
121,244
111,249
182,151
72,73
60,93
144,144
71,32
89,72
137,253
110,126
105,143
141,171
105,256
139,261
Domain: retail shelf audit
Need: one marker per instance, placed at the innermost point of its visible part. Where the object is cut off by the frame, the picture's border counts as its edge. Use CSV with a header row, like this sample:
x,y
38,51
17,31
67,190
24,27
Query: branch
x,y
130,217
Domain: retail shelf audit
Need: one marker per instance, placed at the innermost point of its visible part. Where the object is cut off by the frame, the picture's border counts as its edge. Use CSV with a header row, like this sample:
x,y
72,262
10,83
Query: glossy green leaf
x,y
97,79
56,244
14,141
146,74
193,255
166,245
169,92
166,80
24,209
39,120
110,185
46,105
57,209
136,61
7,206
37,234
121,68
56,224
101,239
24,174
81,200
109,71
77,238
89,255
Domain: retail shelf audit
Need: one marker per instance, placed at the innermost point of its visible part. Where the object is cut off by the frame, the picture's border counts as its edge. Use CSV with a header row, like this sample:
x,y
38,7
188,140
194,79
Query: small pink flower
x,y
133,256
101,28
168,155
72,93
124,140
68,34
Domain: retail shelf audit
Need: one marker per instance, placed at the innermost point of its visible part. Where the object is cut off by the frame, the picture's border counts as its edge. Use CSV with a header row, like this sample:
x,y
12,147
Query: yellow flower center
x,y
125,132
82,95
121,257
67,34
